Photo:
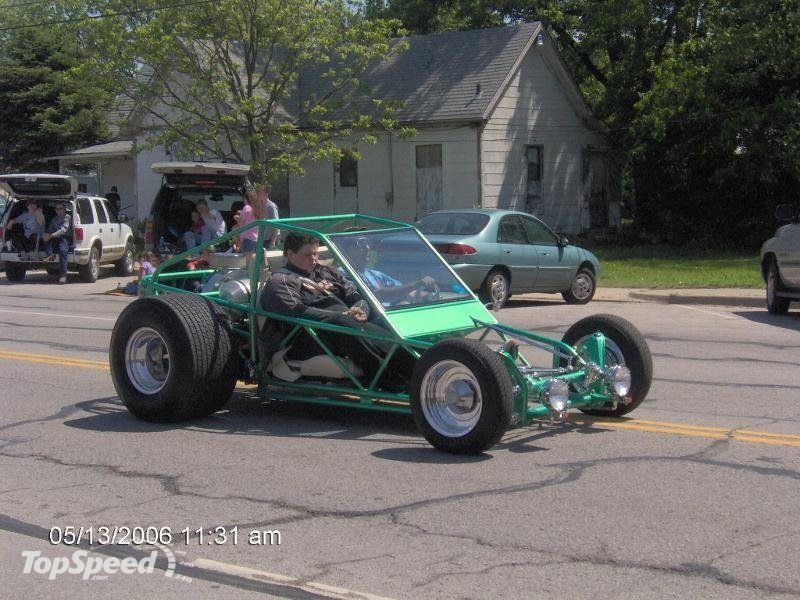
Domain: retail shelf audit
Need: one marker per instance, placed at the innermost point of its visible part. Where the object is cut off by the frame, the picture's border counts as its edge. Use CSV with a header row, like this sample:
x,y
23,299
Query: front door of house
x,y
429,179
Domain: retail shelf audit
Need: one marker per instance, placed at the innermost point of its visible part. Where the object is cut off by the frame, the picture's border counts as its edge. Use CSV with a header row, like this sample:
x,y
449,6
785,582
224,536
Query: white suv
x,y
780,261
99,235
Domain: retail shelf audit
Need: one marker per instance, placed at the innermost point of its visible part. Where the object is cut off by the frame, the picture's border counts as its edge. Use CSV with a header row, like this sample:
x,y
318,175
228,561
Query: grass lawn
x,y
665,267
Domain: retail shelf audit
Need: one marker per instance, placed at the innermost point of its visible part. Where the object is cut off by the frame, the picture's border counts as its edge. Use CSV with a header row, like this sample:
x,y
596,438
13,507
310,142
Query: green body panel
x,y
431,319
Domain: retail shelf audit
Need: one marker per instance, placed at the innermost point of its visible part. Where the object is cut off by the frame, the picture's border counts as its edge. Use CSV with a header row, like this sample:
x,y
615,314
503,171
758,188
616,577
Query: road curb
x,y
716,300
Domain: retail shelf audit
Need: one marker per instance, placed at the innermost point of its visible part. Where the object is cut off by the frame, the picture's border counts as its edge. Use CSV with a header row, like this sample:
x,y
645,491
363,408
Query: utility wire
x,y
121,13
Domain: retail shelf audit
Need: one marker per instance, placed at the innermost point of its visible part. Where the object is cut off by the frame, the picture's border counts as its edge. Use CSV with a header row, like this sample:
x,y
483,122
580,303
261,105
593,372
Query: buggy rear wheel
x,y
624,345
173,358
461,396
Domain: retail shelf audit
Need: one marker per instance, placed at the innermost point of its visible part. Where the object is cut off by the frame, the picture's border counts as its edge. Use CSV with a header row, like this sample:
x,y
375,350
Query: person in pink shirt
x,y
251,211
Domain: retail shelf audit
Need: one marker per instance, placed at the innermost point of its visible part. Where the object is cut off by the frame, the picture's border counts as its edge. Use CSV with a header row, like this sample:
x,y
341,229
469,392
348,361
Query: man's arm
x,y
62,230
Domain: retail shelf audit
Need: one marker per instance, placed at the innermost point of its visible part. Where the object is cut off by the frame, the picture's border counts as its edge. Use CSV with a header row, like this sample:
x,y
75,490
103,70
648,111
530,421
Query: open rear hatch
x,y
40,186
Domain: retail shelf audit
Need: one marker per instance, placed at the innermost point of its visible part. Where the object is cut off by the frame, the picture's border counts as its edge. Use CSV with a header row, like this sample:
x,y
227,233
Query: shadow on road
x,y
247,414
790,321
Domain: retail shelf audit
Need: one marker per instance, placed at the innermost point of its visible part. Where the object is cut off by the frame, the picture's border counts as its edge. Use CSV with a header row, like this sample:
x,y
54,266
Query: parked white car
x,y
780,261
98,234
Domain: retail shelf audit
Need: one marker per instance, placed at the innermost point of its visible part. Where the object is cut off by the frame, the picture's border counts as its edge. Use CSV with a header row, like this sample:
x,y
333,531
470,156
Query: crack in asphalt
x,y
732,359
52,327
52,344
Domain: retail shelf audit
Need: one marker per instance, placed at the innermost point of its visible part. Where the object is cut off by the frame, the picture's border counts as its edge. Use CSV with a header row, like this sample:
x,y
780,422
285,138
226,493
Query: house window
x,y
348,171
533,156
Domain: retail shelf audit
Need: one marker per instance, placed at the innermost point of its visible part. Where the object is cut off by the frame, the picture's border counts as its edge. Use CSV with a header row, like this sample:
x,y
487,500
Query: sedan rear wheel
x,y
495,289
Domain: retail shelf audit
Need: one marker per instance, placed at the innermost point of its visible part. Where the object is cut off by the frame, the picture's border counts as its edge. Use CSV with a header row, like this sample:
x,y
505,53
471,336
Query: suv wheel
x,y
15,272
124,265
91,270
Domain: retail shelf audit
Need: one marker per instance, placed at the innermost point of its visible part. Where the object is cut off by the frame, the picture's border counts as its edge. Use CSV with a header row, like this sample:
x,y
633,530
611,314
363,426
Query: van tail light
x,y
459,249
2,233
79,234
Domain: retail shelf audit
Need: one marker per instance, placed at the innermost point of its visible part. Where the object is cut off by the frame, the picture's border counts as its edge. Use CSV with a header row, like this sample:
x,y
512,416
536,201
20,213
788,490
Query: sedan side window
x,y
538,233
510,231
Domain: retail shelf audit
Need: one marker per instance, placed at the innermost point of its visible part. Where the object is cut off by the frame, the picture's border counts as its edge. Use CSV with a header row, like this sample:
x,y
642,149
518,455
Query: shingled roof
x,y
454,76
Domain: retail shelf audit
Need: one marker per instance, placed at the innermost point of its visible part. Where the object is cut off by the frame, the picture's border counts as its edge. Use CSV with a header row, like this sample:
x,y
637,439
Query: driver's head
x,y
301,251
357,251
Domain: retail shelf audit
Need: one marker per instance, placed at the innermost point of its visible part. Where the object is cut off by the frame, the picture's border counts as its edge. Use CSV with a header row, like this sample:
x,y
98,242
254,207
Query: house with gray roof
x,y
500,123
498,120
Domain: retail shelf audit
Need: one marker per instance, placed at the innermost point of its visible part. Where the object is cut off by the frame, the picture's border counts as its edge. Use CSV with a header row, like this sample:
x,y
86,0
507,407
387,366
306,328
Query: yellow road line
x,y
714,433
54,360
663,427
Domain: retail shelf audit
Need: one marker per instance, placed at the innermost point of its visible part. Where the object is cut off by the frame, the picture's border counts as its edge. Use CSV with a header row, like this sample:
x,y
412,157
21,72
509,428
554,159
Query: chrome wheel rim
x,y
498,288
451,399
128,258
582,286
147,360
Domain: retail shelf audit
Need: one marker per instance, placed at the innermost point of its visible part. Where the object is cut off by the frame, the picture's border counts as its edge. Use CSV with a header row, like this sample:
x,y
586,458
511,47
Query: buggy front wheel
x,y
624,345
461,396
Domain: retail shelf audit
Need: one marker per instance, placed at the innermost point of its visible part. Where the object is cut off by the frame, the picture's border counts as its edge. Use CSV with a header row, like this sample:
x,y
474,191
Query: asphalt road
x,y
694,496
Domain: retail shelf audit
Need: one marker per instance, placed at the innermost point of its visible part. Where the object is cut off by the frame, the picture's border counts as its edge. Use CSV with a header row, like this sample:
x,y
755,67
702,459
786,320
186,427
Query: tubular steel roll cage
x,y
587,386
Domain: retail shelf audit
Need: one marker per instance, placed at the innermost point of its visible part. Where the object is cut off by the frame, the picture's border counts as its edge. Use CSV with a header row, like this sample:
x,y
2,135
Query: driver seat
x,y
321,366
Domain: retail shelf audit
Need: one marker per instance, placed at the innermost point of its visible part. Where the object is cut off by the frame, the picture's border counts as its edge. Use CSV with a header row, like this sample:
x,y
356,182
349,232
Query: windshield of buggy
x,y
399,268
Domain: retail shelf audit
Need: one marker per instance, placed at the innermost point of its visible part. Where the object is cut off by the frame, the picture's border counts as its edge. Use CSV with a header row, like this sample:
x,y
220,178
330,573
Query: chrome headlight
x,y
619,378
555,394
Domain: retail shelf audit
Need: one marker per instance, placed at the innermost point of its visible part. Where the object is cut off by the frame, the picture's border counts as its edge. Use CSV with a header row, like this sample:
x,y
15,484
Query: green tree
x,y
45,107
222,79
428,16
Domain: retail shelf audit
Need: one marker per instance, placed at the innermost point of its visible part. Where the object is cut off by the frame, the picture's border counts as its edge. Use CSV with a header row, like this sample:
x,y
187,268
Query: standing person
x,y
32,221
253,210
113,197
270,212
213,223
57,240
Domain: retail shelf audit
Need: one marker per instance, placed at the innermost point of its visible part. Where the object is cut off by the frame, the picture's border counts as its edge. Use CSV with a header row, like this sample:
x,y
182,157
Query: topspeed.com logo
x,y
91,566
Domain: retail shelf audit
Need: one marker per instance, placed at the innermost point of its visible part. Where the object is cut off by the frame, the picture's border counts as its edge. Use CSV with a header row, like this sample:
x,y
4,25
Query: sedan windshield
x,y
453,223
399,268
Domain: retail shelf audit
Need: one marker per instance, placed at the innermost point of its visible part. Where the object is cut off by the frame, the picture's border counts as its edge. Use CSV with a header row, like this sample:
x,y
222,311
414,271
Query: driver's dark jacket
x,y
286,294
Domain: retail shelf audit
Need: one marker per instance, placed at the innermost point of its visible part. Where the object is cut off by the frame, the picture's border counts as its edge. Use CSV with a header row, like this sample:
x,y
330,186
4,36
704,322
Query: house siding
x,y
535,110
387,176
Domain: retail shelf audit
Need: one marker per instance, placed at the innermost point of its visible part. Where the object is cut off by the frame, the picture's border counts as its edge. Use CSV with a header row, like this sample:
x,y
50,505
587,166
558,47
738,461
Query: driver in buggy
x,y
305,289
388,290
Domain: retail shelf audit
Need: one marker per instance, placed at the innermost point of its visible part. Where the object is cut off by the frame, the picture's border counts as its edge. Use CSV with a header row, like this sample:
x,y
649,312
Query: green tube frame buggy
x,y
176,354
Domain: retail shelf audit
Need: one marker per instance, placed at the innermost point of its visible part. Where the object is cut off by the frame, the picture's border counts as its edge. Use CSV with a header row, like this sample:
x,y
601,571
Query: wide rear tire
x,y
461,396
625,345
173,358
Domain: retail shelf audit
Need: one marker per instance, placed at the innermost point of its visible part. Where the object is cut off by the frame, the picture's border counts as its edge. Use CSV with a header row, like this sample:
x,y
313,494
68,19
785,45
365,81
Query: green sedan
x,y
502,252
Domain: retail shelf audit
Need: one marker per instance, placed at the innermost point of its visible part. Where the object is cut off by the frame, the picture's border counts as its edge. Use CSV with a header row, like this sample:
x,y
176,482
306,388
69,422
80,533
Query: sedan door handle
x,y
509,252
